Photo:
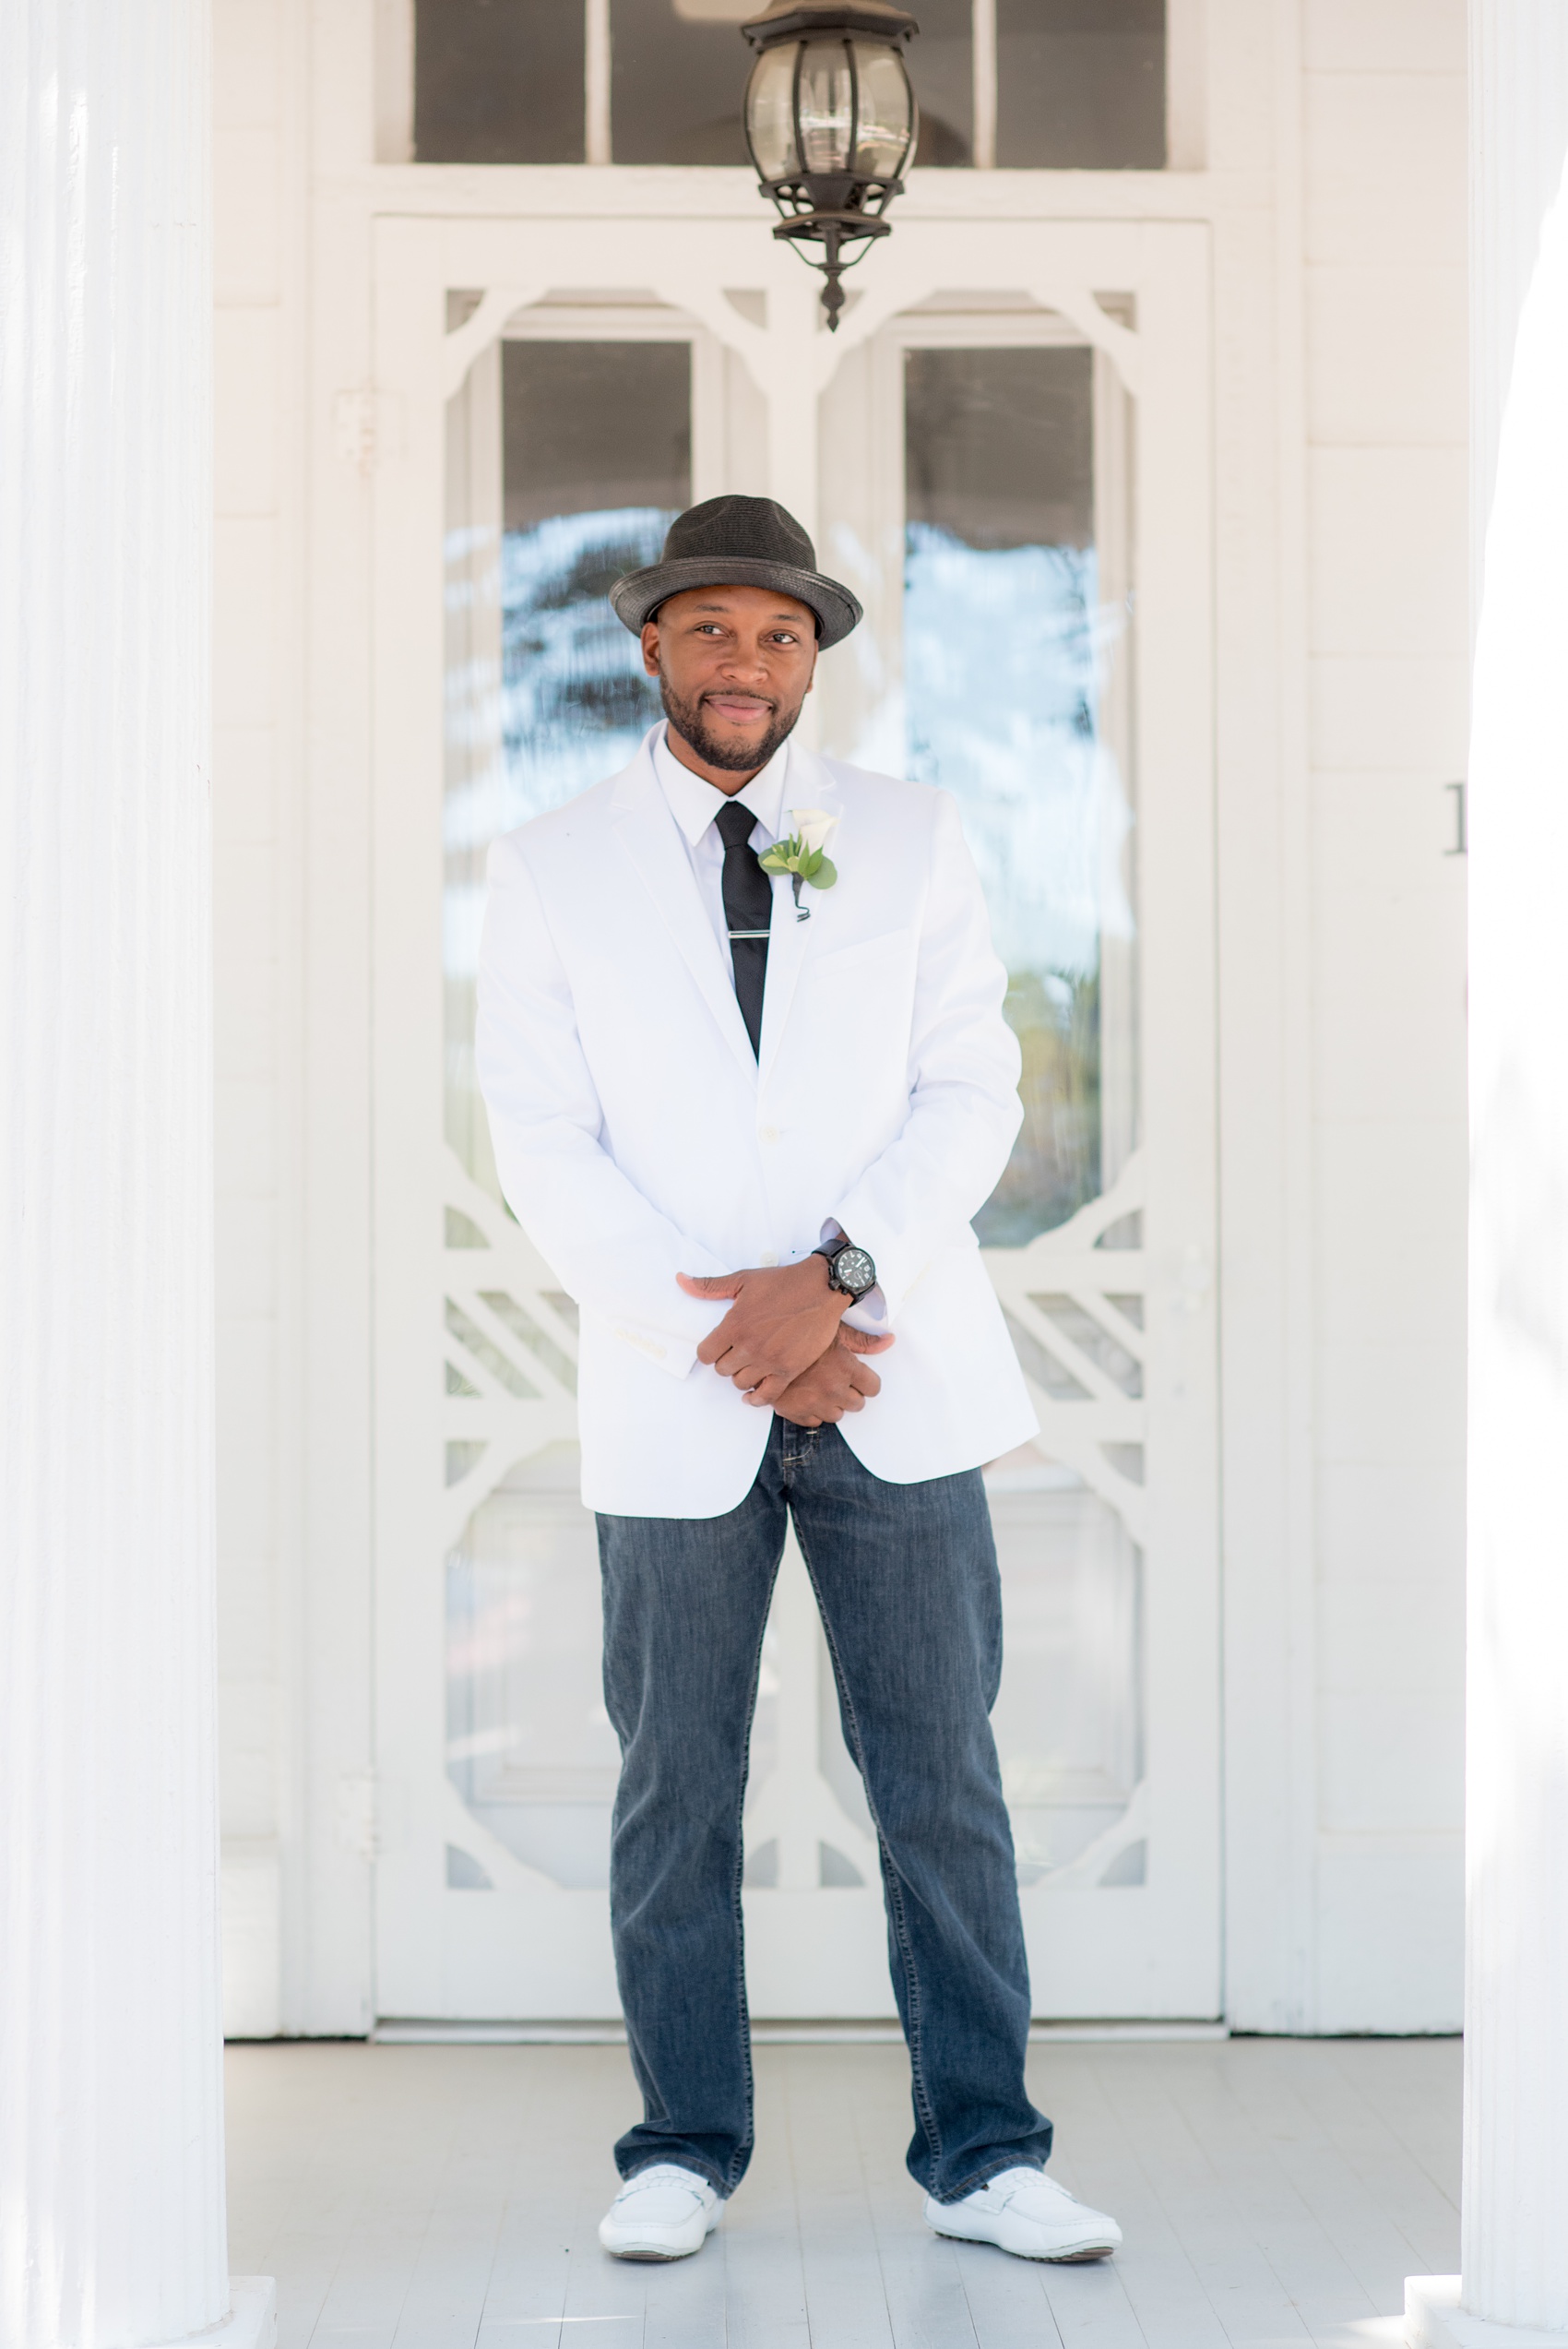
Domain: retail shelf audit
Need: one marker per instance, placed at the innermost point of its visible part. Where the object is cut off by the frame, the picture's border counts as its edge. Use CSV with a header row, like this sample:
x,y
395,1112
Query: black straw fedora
x,y
737,541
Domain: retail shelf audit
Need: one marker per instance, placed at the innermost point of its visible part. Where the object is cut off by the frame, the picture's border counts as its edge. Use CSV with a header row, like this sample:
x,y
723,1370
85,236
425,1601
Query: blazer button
x,y
769,1133
769,1255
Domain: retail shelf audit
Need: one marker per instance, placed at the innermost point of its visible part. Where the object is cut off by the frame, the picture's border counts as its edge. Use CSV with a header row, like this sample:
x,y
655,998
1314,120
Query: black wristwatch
x,y
849,1269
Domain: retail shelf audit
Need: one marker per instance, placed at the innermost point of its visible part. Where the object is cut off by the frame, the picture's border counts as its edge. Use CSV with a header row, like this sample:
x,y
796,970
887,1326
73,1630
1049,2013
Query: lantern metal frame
x,y
835,210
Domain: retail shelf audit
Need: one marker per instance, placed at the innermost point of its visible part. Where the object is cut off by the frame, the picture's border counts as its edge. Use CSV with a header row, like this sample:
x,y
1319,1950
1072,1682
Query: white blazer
x,y
637,1136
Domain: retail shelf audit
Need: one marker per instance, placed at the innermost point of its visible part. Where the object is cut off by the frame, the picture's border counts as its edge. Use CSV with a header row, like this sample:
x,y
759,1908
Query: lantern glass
x,y
827,107
887,117
770,114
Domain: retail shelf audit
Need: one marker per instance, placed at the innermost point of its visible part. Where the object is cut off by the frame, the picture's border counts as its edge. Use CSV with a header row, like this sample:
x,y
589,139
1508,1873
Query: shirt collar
x,y
694,803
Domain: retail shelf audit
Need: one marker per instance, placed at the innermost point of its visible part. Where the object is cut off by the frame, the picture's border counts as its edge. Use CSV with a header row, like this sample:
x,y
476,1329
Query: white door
x,y
1016,483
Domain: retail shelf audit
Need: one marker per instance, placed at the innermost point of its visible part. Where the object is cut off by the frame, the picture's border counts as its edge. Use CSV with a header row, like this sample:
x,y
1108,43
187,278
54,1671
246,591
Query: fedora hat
x,y
737,541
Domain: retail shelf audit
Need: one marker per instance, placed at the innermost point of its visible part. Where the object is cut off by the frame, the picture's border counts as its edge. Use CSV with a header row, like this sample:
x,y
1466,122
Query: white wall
x,y
1384,166
1336,184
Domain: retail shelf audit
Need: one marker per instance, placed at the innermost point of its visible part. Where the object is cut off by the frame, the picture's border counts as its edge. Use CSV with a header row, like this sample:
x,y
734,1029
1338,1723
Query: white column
x,y
1518,132
112,2219
1513,2254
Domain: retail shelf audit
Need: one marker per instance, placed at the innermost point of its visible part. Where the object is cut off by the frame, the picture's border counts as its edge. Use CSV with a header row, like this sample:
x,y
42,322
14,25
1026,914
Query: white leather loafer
x,y
1024,2212
664,2212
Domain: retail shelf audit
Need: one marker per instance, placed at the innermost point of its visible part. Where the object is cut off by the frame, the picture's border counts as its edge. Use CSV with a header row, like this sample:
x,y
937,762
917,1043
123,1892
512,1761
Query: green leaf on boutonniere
x,y
806,864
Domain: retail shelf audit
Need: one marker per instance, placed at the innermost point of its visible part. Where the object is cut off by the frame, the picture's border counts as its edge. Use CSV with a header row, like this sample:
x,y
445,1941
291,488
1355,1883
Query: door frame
x,y
1165,361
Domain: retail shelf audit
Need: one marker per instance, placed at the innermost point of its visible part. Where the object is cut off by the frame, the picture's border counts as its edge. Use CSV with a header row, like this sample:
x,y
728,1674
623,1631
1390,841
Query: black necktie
x,y
748,911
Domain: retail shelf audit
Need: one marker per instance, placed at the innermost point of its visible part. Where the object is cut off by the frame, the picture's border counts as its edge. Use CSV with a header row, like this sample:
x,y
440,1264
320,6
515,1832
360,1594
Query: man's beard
x,y
731,758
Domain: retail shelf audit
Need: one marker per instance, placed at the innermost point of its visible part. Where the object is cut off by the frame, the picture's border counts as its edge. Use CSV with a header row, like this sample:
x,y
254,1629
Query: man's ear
x,y
650,647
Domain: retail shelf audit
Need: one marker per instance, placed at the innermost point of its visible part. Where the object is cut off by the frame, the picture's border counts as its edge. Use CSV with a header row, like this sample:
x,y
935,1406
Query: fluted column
x,y
1514,2284
112,2222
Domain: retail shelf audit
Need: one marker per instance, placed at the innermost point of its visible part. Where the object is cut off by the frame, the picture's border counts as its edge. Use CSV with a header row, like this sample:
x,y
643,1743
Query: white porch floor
x,y
1271,2192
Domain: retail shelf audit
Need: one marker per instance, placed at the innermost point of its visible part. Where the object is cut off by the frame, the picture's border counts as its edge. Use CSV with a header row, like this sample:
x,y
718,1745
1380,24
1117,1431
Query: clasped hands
x,y
784,1344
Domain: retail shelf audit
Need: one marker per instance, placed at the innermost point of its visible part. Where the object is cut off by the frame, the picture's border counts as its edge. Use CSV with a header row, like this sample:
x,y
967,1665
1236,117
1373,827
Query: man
x,y
745,1098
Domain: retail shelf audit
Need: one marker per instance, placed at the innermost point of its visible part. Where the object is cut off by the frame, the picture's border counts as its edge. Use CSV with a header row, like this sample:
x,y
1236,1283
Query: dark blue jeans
x,y
906,1577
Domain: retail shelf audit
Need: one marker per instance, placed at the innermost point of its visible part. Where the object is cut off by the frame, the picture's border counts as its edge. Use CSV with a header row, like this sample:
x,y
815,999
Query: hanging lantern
x,y
831,121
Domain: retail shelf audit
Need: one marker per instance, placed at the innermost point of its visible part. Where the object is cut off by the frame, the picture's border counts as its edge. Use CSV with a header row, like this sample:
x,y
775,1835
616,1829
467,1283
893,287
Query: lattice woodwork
x,y
510,1345
1075,1303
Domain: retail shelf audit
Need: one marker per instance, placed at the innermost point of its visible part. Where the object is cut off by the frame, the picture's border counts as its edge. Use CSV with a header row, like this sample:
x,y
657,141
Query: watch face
x,y
855,1270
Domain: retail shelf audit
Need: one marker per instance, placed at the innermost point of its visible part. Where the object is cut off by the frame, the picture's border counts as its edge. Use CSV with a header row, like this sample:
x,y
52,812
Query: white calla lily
x,y
814,827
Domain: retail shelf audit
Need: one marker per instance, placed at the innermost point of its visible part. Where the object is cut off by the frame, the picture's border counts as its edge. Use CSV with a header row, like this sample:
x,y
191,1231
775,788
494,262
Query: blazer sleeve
x,y
964,1065
609,1246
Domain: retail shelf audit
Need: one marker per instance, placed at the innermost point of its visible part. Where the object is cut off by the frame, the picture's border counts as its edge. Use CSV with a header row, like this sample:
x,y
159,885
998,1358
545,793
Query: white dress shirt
x,y
694,804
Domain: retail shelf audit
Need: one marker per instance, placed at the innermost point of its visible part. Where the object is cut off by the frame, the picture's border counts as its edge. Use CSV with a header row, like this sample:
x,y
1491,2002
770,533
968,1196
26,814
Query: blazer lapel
x,y
647,834
807,784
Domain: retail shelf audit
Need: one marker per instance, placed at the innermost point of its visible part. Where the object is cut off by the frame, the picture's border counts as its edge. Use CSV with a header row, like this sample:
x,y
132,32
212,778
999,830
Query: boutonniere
x,y
803,854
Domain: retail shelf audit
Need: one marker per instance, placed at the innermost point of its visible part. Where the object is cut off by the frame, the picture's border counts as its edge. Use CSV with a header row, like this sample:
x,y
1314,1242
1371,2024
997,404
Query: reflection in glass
x,y
883,112
770,114
1012,666
566,463
826,101
1068,1721
530,1747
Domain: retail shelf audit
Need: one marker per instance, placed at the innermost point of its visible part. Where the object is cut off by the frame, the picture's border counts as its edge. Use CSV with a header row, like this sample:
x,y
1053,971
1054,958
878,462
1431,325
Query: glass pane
x,y
1081,84
567,462
498,81
940,62
770,114
1009,649
678,77
530,1747
1068,1721
883,127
